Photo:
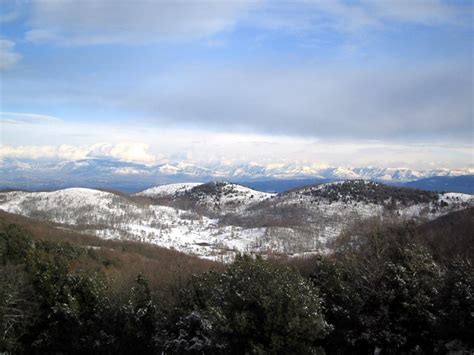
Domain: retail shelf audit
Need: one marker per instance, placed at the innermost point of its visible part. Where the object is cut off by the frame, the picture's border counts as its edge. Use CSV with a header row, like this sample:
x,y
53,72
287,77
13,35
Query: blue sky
x,y
385,83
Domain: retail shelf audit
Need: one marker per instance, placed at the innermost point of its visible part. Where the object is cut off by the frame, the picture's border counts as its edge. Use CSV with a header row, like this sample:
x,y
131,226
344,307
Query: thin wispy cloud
x,y
11,10
130,22
8,55
22,118
8,16
317,17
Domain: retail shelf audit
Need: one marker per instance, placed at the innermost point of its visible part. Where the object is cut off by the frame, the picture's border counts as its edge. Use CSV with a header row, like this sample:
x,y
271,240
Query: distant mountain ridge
x,y
462,184
134,177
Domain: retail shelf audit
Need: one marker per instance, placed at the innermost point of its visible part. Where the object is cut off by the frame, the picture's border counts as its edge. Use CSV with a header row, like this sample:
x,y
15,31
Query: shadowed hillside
x,y
450,235
121,261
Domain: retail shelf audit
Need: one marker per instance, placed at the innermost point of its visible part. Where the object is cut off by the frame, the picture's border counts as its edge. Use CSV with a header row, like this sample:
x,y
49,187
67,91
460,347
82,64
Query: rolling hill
x,y
217,220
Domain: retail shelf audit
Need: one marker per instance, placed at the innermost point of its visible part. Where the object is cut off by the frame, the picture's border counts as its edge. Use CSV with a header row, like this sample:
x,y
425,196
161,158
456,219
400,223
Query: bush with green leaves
x,y
252,307
15,244
456,308
139,322
74,306
18,306
380,292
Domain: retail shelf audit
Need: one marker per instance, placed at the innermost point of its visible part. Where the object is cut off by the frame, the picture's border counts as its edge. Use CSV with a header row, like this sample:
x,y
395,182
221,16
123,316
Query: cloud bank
x,y
414,102
152,145
106,21
130,152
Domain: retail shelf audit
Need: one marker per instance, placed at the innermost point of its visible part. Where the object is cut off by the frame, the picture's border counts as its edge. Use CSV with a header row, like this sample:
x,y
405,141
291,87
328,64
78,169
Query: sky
x,y
385,83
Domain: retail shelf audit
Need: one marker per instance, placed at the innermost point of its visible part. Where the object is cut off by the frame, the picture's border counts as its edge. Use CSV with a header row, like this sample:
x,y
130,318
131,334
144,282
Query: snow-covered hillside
x,y
216,220
75,206
211,199
312,215
367,198
224,197
111,216
168,190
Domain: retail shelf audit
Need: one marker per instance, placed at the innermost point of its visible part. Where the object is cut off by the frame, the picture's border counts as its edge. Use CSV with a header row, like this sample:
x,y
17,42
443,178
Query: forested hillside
x,y
386,288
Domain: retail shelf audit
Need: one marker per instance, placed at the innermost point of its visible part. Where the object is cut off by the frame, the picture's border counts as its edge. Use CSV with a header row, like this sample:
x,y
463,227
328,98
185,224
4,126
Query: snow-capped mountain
x,y
133,177
215,220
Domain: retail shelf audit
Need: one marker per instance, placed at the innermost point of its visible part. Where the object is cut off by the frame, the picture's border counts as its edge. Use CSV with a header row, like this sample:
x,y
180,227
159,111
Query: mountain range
x,y
133,177
216,220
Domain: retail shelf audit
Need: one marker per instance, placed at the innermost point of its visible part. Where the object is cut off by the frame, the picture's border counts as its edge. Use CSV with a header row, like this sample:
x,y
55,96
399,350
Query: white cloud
x,y
415,11
132,152
106,21
152,145
370,13
135,152
41,36
8,56
43,152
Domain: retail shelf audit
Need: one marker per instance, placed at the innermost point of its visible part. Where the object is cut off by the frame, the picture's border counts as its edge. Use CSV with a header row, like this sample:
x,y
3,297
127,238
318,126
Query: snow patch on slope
x,y
224,197
165,190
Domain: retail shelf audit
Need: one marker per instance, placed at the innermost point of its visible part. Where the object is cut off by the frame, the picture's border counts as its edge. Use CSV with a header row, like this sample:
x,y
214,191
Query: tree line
x,y
382,290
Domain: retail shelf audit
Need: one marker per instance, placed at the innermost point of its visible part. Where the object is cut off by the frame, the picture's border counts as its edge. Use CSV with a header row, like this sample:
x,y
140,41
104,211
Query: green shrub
x,y
252,307
15,244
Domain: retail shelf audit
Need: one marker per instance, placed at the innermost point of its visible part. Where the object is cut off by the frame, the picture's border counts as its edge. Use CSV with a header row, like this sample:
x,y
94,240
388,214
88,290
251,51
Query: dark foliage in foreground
x,y
252,307
384,289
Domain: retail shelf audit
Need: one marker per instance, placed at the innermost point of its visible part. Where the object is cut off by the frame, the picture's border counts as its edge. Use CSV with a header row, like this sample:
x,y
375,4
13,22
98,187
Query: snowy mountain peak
x,y
126,176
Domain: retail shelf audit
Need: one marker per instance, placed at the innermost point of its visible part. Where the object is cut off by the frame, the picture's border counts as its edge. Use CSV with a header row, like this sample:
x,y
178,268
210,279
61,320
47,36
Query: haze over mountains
x,y
133,177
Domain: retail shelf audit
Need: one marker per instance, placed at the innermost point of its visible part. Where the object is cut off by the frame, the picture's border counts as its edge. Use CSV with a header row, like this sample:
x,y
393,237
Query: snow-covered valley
x,y
217,220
